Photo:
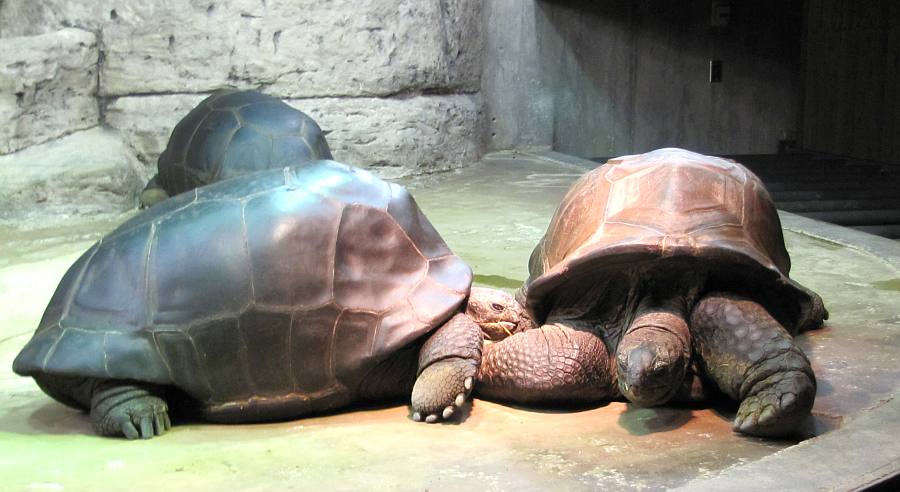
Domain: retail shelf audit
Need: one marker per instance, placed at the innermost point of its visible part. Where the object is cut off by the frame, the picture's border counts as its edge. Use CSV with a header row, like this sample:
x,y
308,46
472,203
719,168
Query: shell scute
x,y
107,293
221,351
292,237
211,141
312,336
266,337
199,264
374,274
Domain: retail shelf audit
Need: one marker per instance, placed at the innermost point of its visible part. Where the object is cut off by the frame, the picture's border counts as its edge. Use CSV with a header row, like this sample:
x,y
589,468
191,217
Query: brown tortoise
x,y
647,257
267,296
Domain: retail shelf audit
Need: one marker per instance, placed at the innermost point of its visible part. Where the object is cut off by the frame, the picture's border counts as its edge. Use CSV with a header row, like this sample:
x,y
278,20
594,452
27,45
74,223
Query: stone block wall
x,y
48,87
395,84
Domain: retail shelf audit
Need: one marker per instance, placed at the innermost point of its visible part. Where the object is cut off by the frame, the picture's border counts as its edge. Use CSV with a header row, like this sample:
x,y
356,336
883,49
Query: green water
x,y
892,284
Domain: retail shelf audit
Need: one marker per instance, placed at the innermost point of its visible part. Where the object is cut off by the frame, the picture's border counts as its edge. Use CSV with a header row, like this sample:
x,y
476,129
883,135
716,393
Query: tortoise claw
x,y
130,411
128,430
777,406
441,389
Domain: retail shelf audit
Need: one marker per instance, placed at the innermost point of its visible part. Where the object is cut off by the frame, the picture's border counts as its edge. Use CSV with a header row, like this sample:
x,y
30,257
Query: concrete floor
x,y
492,215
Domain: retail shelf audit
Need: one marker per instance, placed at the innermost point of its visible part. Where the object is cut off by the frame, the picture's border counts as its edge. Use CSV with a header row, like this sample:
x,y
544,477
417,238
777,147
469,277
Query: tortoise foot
x,y
130,411
441,389
777,405
152,196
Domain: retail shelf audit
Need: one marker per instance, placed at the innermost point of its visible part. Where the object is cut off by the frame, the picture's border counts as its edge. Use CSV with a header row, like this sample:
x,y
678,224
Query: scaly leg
x,y
447,365
130,409
754,360
552,363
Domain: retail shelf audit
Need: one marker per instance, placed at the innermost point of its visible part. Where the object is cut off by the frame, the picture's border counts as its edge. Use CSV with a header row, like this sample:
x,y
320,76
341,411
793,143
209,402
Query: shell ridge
x,y
244,359
290,345
245,243
52,349
149,298
201,371
70,296
225,143
162,357
105,353
332,342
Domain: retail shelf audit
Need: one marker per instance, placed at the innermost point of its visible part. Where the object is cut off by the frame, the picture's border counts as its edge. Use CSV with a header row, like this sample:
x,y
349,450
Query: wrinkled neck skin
x,y
604,308
611,302
497,313
640,314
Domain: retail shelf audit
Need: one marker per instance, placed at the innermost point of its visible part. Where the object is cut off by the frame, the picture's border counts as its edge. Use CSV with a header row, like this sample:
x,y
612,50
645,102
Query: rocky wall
x,y
394,83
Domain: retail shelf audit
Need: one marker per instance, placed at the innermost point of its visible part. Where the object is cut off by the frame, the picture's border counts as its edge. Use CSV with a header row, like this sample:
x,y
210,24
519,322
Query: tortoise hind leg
x,y
130,409
753,359
447,365
117,408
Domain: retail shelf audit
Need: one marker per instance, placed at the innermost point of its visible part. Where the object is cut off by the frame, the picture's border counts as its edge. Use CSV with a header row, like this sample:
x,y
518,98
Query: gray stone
x,y
31,18
84,175
400,136
293,49
48,85
394,136
147,121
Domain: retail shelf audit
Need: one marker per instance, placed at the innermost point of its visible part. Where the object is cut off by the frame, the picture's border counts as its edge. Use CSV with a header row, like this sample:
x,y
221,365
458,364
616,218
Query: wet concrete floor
x,y
492,214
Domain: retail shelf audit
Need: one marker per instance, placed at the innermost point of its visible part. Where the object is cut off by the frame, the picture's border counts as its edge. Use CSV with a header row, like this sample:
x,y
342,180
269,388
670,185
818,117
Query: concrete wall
x,y
852,92
624,76
395,84
412,67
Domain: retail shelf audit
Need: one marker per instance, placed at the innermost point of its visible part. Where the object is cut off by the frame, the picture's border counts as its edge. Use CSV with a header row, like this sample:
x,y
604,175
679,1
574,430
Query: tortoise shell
x,y
237,132
263,296
666,204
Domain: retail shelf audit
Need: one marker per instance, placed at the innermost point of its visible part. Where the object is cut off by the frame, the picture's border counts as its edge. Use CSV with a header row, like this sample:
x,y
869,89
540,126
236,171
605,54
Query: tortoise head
x,y
497,313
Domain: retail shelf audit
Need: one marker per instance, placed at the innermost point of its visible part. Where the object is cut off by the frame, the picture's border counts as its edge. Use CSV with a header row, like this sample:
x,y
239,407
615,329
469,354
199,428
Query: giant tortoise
x,y
268,296
231,133
649,256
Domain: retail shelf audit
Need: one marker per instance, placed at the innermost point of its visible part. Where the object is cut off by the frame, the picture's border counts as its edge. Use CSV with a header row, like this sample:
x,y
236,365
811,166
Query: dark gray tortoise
x,y
646,258
231,133
265,297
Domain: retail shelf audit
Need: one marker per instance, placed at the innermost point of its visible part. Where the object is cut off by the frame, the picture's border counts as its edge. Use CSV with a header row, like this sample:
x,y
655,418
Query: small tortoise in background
x,y
646,258
231,133
265,297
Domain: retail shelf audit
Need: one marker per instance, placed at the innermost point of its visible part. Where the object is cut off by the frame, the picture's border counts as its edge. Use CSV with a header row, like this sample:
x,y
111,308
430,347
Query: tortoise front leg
x,y
553,363
153,193
447,365
754,360
130,409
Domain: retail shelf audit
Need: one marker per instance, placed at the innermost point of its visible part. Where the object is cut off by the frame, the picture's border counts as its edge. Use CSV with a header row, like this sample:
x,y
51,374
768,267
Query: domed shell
x,y
271,289
231,133
663,204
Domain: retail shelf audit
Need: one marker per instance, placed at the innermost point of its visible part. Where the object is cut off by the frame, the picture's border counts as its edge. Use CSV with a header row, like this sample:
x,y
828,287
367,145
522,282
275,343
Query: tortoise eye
x,y
496,307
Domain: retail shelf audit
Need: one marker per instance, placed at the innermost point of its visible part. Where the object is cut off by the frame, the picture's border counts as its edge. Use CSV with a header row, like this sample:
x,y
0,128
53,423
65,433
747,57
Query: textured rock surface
x,y
395,82
393,136
147,121
294,48
84,175
400,136
47,87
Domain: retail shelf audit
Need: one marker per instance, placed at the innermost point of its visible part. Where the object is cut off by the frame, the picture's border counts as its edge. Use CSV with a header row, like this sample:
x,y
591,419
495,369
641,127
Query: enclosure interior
x,y
487,112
